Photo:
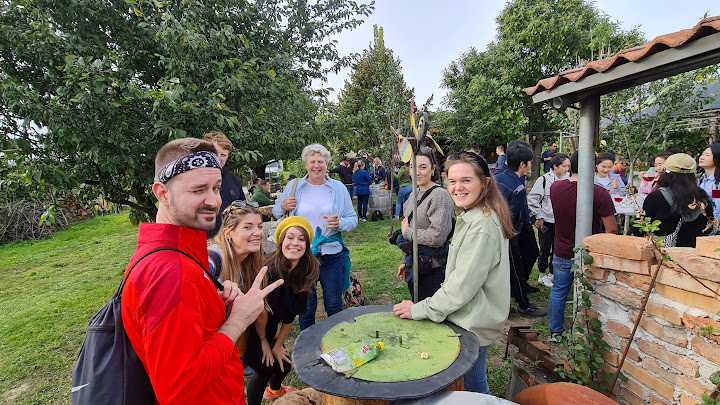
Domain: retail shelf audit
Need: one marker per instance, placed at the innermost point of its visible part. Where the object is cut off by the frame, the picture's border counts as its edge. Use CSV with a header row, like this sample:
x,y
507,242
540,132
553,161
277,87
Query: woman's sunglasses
x,y
243,204
239,204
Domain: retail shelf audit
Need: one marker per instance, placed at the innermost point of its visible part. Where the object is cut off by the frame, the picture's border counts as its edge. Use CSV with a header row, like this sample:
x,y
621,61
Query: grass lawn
x,y
49,289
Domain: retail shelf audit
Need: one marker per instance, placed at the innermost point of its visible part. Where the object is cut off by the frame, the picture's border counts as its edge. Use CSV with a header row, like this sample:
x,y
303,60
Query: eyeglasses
x,y
243,204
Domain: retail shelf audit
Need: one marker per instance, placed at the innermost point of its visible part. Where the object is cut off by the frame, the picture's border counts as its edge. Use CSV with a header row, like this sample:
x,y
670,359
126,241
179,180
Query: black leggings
x,y
262,377
429,283
546,240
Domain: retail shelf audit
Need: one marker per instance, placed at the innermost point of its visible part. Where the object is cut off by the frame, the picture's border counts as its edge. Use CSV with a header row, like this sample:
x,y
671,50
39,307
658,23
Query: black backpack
x,y
108,371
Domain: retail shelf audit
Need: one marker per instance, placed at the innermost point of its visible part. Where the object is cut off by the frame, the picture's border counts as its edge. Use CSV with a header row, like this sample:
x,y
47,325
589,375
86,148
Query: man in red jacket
x,y
173,315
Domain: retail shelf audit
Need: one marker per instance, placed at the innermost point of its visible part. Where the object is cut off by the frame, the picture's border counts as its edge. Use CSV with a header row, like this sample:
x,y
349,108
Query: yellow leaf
x,y
137,12
272,73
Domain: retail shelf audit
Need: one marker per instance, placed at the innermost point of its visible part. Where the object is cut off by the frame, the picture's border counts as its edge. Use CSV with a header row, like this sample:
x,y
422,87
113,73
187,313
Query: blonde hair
x,y
234,269
490,199
220,139
178,148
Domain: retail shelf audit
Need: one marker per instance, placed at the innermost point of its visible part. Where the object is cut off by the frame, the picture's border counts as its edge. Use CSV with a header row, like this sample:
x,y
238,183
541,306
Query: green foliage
x,y
712,397
536,39
648,226
375,97
643,120
580,347
90,90
296,167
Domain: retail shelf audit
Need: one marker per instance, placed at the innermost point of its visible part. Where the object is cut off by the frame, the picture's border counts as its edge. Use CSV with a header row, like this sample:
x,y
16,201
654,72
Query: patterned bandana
x,y
187,163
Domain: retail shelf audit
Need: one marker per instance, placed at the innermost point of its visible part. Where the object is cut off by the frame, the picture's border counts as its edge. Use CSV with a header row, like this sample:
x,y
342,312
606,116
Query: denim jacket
x,y
342,203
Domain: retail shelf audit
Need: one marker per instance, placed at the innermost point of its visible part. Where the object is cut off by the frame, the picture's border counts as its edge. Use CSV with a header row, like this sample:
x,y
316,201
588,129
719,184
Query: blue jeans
x,y
562,283
350,190
476,378
331,280
403,195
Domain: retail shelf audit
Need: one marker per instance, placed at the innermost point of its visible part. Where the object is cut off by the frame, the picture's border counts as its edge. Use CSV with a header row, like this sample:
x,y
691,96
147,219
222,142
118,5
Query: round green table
x,y
339,389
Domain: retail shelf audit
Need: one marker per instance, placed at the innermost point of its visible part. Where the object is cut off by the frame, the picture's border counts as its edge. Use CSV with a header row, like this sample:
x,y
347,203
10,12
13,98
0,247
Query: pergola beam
x,y
672,61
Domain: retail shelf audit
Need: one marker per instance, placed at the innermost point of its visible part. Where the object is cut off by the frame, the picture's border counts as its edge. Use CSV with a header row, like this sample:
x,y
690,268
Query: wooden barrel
x,y
380,199
268,242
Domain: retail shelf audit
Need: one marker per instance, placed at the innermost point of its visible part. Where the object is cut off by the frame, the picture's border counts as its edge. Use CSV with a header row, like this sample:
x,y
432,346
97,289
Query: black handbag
x,y
108,370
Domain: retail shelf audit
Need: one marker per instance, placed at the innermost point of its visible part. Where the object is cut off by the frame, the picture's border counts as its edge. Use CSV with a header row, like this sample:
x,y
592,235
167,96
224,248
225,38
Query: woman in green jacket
x,y
476,292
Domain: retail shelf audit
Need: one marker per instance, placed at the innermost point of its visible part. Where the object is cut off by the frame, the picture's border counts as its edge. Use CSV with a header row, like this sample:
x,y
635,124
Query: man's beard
x,y
194,221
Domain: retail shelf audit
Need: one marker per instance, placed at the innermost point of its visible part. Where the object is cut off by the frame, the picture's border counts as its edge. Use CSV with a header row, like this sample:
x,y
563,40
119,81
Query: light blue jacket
x,y
708,184
342,203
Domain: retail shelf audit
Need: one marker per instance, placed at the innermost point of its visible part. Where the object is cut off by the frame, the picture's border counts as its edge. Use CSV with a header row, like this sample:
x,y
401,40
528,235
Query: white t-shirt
x,y
316,202
605,182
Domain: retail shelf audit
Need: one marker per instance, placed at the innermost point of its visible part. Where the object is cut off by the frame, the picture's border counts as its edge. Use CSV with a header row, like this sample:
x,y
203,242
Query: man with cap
x,y
344,170
183,329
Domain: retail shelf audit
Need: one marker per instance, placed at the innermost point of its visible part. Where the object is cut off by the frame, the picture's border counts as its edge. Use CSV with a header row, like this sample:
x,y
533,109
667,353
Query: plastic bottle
x,y
353,355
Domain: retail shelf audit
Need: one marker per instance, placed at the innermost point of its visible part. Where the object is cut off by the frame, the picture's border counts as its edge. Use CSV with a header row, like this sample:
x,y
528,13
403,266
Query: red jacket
x,y
172,312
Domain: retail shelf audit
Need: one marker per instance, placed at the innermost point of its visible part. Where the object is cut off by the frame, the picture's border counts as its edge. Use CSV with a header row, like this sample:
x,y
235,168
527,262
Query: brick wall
x,y
671,357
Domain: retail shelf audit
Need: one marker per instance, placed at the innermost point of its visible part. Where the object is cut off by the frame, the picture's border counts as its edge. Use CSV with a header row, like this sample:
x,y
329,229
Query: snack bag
x,y
353,355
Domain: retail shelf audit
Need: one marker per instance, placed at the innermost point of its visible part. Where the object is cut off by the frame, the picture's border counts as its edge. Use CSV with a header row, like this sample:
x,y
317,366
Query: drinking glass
x,y
396,281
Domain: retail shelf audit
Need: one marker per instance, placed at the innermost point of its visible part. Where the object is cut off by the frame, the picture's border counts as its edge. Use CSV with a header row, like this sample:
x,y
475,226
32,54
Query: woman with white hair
x,y
327,205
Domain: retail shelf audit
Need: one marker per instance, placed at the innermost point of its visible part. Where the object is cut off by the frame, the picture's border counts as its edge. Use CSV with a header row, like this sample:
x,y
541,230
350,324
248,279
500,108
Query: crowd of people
x,y
477,246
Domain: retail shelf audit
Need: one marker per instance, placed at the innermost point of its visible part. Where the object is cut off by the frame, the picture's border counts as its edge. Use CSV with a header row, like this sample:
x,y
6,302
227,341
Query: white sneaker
x,y
545,280
550,276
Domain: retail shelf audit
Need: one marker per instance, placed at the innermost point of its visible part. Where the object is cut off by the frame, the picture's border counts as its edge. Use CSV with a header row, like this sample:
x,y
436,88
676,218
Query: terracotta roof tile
x,y
704,28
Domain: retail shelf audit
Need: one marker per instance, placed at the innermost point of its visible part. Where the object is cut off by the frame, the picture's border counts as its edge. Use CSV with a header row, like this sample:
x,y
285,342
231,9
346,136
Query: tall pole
x,y
589,126
415,241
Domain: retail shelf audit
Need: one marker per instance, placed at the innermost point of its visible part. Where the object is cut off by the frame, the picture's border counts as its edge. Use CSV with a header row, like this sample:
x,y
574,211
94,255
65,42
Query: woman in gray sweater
x,y
434,224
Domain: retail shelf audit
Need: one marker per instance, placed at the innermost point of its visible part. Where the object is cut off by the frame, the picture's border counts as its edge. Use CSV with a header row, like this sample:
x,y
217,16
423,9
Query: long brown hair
x,y
490,199
303,277
233,268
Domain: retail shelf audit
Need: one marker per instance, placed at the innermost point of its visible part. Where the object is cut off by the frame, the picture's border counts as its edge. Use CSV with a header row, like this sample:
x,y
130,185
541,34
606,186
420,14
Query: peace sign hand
x,y
252,303
246,307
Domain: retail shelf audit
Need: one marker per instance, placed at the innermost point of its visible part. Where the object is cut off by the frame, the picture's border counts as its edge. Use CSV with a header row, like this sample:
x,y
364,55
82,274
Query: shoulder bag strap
x,y
424,196
292,193
118,293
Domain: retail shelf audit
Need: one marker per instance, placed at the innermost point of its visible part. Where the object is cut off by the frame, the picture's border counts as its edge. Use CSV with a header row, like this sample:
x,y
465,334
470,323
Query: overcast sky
x,y
429,34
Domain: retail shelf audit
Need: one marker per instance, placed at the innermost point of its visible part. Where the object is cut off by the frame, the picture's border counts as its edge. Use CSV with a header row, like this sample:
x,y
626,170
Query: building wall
x,y
671,356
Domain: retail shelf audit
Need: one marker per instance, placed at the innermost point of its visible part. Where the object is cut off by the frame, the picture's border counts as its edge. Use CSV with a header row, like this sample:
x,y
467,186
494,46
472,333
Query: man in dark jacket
x,y
344,170
231,189
523,247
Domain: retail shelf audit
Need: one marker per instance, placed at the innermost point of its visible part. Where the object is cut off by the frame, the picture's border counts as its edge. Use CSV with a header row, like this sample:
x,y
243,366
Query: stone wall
x,y
672,355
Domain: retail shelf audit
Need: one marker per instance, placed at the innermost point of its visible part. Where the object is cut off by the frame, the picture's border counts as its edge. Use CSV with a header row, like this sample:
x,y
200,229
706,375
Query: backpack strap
x,y
118,293
542,197
217,262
